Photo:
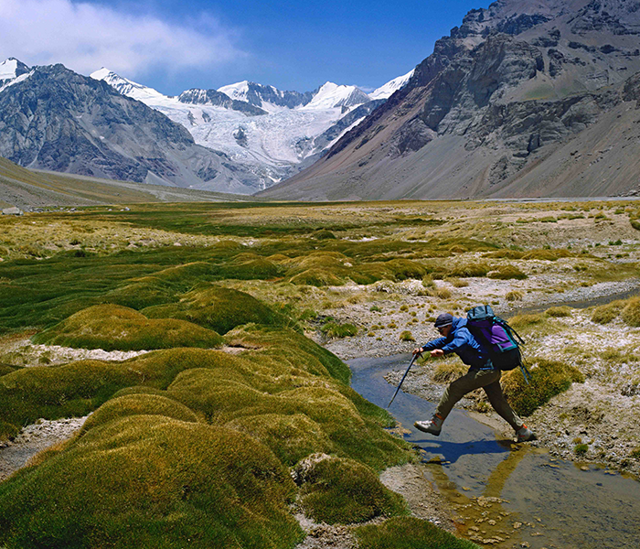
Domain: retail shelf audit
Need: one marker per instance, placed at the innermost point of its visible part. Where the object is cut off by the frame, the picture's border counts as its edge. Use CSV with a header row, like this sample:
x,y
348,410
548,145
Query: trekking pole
x,y
405,375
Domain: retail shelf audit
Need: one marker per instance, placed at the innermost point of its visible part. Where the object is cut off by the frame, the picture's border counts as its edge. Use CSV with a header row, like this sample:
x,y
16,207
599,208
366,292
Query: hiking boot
x,y
524,434
433,427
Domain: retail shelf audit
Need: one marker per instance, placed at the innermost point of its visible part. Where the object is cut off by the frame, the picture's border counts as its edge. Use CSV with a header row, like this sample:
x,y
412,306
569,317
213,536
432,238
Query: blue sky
x,y
173,46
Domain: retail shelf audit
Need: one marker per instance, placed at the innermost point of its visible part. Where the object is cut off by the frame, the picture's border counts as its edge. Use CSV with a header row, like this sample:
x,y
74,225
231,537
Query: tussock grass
x,y
111,327
139,404
250,268
219,309
191,443
558,312
631,312
344,491
548,378
291,437
138,480
317,277
507,272
514,295
333,329
477,269
408,533
548,255
520,322
604,314
445,372
8,431
505,254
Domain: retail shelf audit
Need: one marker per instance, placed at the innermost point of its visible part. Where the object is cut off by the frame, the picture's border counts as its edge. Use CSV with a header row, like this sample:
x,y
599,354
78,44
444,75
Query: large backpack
x,y
495,335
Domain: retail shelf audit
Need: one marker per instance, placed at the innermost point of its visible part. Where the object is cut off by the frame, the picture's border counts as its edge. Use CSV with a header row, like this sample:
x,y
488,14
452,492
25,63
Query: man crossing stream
x,y
456,338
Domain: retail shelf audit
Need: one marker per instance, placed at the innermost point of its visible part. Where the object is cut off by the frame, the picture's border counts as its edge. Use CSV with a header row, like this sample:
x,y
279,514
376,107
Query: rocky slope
x,y
55,119
523,99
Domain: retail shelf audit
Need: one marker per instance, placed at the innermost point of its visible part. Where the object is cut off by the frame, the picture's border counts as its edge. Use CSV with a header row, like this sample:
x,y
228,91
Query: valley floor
x,y
564,274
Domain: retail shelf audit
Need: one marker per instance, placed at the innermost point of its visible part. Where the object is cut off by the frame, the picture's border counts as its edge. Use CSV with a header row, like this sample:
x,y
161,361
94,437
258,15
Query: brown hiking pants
x,y
489,380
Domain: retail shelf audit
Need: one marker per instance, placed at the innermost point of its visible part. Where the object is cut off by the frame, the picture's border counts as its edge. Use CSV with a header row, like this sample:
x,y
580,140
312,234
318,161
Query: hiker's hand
x,y
417,351
437,352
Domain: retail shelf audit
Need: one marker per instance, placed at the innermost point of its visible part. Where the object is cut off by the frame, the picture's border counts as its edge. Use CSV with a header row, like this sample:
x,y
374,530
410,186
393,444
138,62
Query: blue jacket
x,y
461,342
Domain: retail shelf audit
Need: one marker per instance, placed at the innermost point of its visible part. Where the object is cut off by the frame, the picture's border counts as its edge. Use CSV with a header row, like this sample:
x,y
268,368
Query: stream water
x,y
504,494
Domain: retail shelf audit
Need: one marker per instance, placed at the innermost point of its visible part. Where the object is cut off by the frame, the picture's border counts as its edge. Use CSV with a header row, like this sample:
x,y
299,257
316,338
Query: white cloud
x,y
85,37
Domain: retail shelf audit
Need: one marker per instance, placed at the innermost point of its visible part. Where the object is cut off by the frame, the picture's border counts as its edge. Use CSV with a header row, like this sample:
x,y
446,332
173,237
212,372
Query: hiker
x,y
456,338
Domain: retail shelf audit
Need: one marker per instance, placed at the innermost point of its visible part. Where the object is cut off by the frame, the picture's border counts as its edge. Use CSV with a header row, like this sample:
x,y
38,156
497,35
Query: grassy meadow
x,y
234,418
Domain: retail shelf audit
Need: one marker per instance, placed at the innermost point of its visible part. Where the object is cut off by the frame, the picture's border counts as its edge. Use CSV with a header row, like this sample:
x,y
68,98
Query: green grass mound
x,y
548,379
225,399
162,286
151,481
112,327
8,431
558,312
139,404
286,348
74,389
507,272
631,312
324,234
145,292
548,255
520,322
334,329
290,437
319,269
317,277
456,245
343,491
468,270
220,309
7,369
505,254
403,269
80,387
408,533
604,314
250,267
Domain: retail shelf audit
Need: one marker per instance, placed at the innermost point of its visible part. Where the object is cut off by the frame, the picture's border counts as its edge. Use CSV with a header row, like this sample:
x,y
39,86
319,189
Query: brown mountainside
x,y
524,99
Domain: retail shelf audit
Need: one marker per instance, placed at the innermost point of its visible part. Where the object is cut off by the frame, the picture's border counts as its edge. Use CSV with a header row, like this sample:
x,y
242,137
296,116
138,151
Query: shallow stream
x,y
504,494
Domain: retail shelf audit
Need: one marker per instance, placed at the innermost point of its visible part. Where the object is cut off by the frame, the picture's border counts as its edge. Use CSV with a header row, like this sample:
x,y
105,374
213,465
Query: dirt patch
x,y
33,439
19,351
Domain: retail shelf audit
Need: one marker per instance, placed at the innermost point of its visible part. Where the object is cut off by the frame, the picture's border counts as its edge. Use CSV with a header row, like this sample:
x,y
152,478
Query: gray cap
x,y
445,319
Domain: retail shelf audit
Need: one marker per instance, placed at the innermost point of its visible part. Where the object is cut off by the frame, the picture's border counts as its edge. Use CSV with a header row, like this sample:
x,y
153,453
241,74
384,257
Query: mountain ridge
x,y
506,90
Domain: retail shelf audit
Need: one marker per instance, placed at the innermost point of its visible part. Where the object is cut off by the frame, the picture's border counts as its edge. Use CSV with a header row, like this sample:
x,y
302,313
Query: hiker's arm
x,y
433,344
460,338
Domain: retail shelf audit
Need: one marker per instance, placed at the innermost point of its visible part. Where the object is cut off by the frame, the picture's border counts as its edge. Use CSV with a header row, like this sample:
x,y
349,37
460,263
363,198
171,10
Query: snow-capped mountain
x,y
10,69
55,119
331,96
386,91
132,89
270,132
265,97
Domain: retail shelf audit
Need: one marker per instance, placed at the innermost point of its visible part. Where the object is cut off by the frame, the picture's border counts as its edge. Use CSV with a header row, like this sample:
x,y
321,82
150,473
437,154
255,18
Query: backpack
x,y
495,336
